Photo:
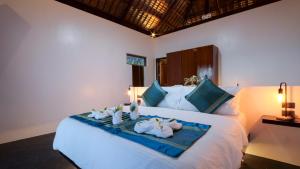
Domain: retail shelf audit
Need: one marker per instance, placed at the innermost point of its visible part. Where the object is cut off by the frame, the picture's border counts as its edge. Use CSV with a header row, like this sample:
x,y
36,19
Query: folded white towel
x,y
162,131
98,114
117,117
158,127
143,126
110,111
173,124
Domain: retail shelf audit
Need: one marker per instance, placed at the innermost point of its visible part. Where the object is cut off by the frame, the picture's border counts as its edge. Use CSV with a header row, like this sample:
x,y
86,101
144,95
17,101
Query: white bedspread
x,y
93,148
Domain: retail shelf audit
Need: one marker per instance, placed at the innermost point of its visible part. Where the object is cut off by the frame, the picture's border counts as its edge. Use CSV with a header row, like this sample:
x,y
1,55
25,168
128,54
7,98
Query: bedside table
x,y
273,120
276,139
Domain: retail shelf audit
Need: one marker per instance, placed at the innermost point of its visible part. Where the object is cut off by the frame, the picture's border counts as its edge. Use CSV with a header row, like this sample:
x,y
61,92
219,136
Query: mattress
x,y
92,148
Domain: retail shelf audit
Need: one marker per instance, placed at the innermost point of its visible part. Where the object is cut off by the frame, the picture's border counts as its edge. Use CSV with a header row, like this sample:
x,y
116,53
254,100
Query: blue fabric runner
x,y
173,146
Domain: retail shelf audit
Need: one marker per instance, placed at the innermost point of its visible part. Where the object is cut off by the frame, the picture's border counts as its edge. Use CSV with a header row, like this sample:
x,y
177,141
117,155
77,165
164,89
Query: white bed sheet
x,y
92,148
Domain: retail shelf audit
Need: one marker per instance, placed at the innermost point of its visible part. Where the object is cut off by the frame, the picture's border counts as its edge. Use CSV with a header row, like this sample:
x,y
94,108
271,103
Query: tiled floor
x,y
37,153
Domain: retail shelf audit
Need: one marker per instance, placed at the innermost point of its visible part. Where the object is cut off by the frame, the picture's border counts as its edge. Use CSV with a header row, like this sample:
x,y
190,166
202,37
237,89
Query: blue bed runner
x,y
173,146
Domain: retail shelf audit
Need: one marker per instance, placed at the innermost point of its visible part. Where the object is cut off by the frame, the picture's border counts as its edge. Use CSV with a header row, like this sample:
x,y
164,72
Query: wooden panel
x,y
207,57
174,69
183,64
188,64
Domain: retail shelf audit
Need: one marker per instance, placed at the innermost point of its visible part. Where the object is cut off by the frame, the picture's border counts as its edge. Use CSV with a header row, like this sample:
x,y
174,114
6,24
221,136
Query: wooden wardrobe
x,y
185,63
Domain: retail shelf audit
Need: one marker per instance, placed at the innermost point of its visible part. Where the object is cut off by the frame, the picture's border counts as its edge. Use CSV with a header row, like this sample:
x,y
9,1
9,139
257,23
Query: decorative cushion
x,y
207,97
154,94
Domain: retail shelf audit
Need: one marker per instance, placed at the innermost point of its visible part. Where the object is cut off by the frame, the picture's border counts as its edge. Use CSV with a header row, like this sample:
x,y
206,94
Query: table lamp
x,y
288,113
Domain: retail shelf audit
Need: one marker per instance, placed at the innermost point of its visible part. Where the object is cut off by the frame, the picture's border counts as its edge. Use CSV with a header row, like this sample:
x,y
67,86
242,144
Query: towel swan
x,y
157,126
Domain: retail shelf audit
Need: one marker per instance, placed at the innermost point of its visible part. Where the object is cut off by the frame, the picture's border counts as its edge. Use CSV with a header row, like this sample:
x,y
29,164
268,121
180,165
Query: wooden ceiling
x,y
160,17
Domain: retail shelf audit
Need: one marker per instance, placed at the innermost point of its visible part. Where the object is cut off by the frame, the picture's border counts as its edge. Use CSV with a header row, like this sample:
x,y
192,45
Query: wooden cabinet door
x,y
203,57
184,64
188,66
174,69
207,57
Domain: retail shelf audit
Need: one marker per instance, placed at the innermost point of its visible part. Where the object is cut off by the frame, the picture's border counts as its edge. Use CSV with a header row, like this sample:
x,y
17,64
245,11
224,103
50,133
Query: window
x,y
137,63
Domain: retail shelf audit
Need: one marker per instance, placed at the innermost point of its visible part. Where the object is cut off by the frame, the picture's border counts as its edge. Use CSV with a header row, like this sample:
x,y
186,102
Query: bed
x,y
92,148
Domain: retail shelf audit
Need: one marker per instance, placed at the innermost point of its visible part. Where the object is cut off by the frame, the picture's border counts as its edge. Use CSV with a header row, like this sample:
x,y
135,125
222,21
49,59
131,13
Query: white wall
x,y
257,47
56,60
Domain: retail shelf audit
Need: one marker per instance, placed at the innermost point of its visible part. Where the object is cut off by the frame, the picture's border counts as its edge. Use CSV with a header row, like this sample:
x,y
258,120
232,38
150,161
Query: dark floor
x,y
37,153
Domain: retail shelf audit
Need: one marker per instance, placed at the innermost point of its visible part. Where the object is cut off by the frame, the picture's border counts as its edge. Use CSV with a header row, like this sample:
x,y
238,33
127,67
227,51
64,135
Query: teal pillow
x,y
154,94
207,97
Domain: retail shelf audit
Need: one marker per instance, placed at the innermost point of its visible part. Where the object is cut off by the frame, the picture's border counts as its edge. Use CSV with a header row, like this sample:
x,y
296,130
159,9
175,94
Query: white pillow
x,y
172,99
184,104
231,107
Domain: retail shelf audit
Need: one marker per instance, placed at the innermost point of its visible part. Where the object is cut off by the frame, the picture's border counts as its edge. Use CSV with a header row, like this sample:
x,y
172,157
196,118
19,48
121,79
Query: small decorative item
x,y
117,115
191,81
134,114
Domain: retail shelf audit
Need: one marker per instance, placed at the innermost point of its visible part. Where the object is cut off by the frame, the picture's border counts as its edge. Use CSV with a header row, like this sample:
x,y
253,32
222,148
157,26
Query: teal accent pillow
x,y
207,97
154,94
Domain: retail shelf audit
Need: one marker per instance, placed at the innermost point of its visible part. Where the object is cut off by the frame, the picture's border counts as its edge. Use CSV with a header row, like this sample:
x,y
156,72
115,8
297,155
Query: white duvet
x,y
92,148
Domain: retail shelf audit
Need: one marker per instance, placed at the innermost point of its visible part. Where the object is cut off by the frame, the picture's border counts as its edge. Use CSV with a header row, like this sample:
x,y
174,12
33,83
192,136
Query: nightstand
x,y
275,139
273,120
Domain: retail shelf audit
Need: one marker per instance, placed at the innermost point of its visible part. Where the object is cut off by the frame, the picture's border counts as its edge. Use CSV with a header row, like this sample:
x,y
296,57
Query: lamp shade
x,y
280,97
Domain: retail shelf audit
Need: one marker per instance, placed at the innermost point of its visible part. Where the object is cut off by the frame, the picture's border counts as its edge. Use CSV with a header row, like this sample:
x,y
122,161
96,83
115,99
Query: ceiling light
x,y
153,35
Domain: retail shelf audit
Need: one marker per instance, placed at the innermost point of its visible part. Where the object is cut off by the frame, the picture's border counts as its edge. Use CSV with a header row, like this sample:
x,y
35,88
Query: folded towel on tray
x,y
157,126
98,114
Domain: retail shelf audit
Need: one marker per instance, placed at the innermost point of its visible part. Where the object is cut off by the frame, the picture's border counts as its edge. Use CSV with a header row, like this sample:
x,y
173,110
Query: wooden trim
x,y
157,71
272,120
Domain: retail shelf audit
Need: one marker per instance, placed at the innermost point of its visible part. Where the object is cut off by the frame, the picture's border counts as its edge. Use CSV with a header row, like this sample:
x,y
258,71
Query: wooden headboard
x,y
183,64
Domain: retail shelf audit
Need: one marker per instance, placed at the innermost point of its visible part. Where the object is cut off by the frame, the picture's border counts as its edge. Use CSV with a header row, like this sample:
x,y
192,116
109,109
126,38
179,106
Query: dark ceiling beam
x,y
129,4
218,6
188,9
161,16
101,14
255,5
114,6
175,18
163,22
98,2
206,6
142,22
111,5
143,9
104,5
137,8
150,10
166,16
